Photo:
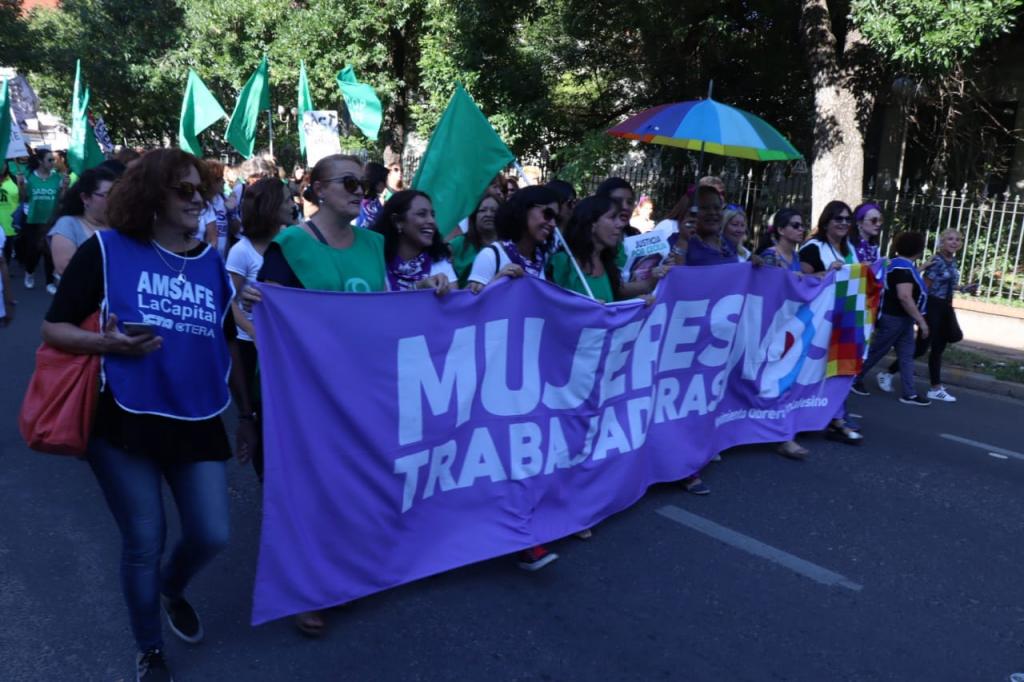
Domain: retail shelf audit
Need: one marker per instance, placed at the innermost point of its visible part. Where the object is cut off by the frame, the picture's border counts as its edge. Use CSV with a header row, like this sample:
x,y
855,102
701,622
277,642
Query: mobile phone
x,y
139,329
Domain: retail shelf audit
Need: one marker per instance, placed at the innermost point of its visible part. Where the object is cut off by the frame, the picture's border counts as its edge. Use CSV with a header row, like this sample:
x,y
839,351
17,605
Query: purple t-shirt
x,y
699,253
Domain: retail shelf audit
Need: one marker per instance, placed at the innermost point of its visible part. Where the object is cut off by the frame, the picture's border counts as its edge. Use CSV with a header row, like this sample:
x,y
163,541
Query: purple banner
x,y
407,434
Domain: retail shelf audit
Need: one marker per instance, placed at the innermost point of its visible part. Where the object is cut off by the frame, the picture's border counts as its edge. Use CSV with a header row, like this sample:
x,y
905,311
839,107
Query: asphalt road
x,y
899,560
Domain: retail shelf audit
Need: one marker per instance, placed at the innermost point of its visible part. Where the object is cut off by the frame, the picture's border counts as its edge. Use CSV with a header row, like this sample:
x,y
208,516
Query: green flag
x,y
463,156
253,100
5,121
305,104
363,105
83,150
199,111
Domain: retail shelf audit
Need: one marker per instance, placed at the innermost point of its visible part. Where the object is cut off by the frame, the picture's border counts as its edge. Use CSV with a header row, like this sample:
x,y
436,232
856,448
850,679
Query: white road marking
x,y
997,455
982,446
758,548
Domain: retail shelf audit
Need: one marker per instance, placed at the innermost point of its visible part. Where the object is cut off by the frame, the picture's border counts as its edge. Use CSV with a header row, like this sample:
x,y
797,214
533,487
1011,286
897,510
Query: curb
x,y
956,376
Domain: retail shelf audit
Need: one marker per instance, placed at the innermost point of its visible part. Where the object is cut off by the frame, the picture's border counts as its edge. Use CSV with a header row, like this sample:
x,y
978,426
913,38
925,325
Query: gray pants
x,y
894,331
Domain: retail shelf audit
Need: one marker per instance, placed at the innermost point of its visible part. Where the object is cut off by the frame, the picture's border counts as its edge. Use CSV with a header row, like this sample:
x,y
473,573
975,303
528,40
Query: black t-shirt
x,y
169,440
276,268
890,302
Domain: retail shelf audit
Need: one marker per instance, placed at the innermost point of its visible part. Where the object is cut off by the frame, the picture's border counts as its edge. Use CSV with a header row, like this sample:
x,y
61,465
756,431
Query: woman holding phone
x,y
171,295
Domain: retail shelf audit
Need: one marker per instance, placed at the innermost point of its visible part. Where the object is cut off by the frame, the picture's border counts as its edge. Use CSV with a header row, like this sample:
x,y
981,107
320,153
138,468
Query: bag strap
x,y
497,258
316,232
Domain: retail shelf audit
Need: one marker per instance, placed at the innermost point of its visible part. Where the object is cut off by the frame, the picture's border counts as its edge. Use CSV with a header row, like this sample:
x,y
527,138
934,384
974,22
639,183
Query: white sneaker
x,y
884,380
30,281
51,289
940,394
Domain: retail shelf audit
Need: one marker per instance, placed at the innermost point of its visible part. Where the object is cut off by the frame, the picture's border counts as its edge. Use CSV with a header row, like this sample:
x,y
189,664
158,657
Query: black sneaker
x,y
535,558
859,388
183,619
150,666
915,400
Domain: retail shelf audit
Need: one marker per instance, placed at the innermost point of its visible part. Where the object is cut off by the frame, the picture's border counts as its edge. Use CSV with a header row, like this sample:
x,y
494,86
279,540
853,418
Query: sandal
x,y
793,450
843,434
311,623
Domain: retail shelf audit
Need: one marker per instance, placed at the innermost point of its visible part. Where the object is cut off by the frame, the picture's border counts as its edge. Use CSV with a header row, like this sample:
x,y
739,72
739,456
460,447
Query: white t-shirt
x,y
245,260
828,254
485,267
444,267
215,212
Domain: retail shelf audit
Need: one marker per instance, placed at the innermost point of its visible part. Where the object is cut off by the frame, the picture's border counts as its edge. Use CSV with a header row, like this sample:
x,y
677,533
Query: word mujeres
x,y
620,380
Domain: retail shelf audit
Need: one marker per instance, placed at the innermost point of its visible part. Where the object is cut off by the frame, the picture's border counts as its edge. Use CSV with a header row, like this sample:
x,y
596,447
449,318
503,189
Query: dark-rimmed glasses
x,y
350,182
185,191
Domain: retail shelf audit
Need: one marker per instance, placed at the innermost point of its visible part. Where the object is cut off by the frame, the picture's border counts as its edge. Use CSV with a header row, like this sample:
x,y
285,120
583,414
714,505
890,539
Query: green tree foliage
x,y
14,41
551,75
932,35
123,45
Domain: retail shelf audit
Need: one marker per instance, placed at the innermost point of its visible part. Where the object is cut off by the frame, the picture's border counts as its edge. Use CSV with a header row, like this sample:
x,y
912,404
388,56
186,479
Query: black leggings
x,y
938,316
32,247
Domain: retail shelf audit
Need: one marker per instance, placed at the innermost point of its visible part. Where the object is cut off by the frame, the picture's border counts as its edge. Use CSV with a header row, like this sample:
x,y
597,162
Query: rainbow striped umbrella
x,y
708,126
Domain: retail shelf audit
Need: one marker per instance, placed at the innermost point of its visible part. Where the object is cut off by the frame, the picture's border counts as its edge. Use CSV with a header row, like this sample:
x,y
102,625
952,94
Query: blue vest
x,y
901,263
188,377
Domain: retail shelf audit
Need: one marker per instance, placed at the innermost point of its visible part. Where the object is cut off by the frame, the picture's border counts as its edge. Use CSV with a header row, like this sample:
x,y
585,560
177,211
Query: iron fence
x,y
992,227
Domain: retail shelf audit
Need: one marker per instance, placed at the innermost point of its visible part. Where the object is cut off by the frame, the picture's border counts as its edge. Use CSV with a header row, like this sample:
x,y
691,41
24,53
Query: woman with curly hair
x,y
165,298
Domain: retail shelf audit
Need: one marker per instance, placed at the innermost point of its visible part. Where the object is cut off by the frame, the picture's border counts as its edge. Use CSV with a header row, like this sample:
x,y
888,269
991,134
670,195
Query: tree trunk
x,y
837,164
840,107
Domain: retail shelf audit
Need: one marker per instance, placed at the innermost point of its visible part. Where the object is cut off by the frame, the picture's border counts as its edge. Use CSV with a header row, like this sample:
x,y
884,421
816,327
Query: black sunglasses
x,y
548,212
186,191
795,226
350,182
842,219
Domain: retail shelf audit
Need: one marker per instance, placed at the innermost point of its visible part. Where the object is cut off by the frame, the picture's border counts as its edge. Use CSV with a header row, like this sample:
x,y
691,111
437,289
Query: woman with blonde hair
x,y
734,230
942,277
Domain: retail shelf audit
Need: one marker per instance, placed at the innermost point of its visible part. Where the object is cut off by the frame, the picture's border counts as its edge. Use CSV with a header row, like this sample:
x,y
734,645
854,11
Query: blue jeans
x,y
131,485
894,331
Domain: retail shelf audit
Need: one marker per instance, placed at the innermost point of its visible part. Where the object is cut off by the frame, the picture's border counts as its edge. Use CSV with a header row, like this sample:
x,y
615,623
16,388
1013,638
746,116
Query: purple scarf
x,y
404,274
866,251
533,266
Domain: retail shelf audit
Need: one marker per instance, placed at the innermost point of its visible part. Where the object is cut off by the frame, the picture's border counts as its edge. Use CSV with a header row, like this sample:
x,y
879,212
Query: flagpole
x,y
270,128
700,169
559,239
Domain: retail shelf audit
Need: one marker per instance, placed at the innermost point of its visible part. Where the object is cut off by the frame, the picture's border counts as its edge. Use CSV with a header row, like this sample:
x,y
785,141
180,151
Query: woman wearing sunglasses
x,y
830,249
81,213
415,253
780,248
326,252
166,383
524,224
780,251
869,221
